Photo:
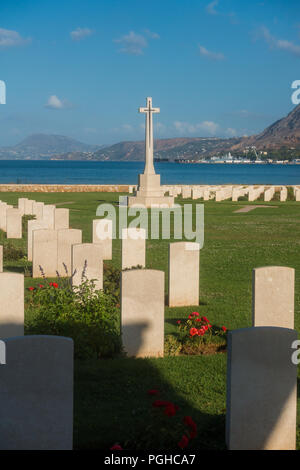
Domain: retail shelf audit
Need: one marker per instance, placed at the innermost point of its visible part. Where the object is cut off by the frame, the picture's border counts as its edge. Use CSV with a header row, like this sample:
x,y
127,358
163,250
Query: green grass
x,y
111,395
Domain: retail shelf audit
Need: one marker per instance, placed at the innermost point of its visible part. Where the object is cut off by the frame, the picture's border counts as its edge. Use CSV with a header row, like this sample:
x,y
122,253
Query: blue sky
x,y
82,68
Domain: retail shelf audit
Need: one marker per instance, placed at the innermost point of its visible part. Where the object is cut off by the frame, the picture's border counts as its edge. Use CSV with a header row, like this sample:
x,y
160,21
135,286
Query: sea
x,y
80,172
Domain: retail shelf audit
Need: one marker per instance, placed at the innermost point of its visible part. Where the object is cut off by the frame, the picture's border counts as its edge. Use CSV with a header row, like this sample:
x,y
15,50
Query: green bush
x,y
89,316
196,335
172,346
290,194
25,219
111,281
12,253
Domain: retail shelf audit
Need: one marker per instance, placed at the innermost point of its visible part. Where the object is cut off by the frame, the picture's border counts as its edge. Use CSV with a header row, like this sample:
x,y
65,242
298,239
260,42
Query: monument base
x,y
150,193
151,201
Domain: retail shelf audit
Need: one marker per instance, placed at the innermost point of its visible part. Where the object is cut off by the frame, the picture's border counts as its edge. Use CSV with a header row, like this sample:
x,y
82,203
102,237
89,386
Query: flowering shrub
x,y
88,316
12,252
196,335
166,428
111,281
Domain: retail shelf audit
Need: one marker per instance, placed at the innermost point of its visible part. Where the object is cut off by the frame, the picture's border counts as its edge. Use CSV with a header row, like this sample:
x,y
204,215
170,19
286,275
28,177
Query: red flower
x,y
116,447
41,286
192,425
201,332
178,322
193,331
160,403
195,314
224,328
171,409
205,319
153,392
188,421
198,319
30,288
184,442
53,284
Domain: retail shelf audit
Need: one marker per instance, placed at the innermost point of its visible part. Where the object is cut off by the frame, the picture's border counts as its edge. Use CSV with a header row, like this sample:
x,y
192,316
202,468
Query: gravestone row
x,y
254,372
220,193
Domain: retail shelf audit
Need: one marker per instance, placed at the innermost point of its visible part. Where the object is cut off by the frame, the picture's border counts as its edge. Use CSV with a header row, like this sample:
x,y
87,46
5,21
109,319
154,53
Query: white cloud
x,y
80,33
90,130
54,102
132,43
127,127
209,54
160,128
230,132
280,44
151,34
9,38
211,7
208,127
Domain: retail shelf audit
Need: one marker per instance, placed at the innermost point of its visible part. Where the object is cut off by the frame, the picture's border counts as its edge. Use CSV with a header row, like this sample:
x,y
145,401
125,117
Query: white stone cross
x,y
149,167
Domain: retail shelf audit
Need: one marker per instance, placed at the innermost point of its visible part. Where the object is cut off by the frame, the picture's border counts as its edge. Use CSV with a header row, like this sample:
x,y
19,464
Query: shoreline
x,y
114,188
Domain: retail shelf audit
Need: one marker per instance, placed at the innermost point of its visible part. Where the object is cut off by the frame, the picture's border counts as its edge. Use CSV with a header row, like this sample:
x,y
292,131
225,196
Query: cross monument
x,y
149,167
149,191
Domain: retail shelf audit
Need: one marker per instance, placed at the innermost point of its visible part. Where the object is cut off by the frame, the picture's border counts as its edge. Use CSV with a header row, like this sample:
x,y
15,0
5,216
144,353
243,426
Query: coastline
x,y
64,188
111,188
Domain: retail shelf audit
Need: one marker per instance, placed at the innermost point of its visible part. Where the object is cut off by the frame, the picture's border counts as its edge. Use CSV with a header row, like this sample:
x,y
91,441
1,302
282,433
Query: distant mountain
x,y
44,146
283,133
186,148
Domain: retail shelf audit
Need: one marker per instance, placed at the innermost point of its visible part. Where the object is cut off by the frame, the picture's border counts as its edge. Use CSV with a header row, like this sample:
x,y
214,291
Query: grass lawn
x,y
111,402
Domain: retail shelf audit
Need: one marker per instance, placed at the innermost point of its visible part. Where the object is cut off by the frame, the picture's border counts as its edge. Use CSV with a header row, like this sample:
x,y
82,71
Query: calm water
x,y
67,172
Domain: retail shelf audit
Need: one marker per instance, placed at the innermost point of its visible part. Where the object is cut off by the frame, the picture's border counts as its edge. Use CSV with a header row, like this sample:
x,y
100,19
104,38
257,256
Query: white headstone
x,y
61,219
21,204
184,263
142,312
273,296
102,235
29,207
13,223
261,389
11,304
87,264
3,208
33,225
133,247
48,215
44,252
38,209
36,394
65,239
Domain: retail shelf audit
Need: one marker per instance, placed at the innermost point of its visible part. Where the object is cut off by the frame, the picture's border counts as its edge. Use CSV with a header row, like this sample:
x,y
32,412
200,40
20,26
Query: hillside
x,y
283,136
44,146
283,133
172,149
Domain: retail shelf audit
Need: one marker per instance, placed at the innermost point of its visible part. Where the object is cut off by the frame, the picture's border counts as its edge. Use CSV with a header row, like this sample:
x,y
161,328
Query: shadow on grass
x,y
201,302
112,406
112,403
27,271
116,203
